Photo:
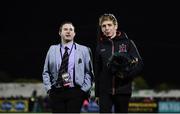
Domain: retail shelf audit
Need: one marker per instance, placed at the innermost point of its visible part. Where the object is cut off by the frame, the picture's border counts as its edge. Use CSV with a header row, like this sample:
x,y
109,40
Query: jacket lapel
x,y
57,57
76,55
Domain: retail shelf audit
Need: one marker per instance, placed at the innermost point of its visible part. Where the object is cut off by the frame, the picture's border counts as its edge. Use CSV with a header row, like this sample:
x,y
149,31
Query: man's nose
x,y
106,27
68,31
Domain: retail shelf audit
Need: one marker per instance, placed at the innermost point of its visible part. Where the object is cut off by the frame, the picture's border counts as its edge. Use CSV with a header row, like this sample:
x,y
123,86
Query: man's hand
x,y
48,92
97,100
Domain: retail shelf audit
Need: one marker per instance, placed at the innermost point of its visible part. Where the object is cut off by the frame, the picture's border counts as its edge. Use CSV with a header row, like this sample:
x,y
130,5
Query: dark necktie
x,y
64,66
64,63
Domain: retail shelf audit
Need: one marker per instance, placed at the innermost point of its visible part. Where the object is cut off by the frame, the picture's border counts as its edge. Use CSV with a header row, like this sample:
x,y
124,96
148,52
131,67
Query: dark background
x,y
27,29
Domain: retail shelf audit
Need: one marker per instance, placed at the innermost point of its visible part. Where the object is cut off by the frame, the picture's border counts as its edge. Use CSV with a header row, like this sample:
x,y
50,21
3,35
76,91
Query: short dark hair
x,y
63,23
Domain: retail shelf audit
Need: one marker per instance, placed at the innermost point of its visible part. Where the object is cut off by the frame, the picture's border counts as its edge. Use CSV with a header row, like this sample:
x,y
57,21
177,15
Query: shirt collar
x,y
69,45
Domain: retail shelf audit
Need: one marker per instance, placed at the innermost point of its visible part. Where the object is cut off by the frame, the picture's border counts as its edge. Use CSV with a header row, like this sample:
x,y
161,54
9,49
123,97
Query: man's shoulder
x,y
53,47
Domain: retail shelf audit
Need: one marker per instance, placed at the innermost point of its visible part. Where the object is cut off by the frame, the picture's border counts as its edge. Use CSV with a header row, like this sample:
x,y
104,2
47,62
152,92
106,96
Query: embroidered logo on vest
x,y
122,48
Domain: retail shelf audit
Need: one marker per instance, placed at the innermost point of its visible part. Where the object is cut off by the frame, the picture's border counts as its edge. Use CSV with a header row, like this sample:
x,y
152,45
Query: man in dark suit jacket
x,y
117,62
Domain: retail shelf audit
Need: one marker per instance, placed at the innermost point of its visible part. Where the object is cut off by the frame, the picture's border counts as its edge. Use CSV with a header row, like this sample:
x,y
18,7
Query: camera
x,y
120,63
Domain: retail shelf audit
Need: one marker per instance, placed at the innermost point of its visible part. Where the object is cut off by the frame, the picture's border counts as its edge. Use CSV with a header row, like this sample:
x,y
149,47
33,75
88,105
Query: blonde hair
x,y
107,17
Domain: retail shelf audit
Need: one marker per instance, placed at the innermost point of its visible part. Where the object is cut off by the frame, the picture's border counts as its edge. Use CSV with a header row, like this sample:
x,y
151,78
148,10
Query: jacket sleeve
x,y
133,51
46,72
89,73
98,68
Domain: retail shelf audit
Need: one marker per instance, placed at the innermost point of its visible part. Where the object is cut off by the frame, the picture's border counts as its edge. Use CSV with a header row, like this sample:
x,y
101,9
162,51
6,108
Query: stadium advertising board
x,y
13,105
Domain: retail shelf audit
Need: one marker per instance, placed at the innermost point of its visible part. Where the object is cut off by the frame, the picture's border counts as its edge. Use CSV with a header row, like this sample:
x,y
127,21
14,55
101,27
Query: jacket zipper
x,y
113,79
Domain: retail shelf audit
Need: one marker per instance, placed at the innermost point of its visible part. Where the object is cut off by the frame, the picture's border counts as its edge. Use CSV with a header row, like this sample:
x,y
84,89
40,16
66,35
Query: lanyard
x,y
69,52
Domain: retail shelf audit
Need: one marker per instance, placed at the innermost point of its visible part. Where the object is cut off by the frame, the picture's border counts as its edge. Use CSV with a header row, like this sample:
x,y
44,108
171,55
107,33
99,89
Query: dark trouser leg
x,y
105,103
57,101
75,102
121,102
68,100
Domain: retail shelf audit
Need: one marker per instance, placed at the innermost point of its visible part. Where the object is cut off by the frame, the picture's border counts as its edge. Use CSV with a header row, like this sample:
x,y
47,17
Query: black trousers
x,y
119,101
67,100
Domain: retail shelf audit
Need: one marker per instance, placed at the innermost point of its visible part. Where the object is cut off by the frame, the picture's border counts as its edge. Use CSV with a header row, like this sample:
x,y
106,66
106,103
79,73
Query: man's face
x,y
67,33
108,29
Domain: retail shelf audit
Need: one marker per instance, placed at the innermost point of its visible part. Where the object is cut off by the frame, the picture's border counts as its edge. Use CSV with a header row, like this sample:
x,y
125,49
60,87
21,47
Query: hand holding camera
x,y
120,63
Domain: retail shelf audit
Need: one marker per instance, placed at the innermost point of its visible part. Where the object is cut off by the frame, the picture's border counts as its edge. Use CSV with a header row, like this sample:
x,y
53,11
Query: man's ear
x,y
60,33
116,27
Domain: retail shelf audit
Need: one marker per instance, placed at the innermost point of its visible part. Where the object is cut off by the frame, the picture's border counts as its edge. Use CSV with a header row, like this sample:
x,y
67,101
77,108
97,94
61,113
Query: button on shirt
x,y
71,59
